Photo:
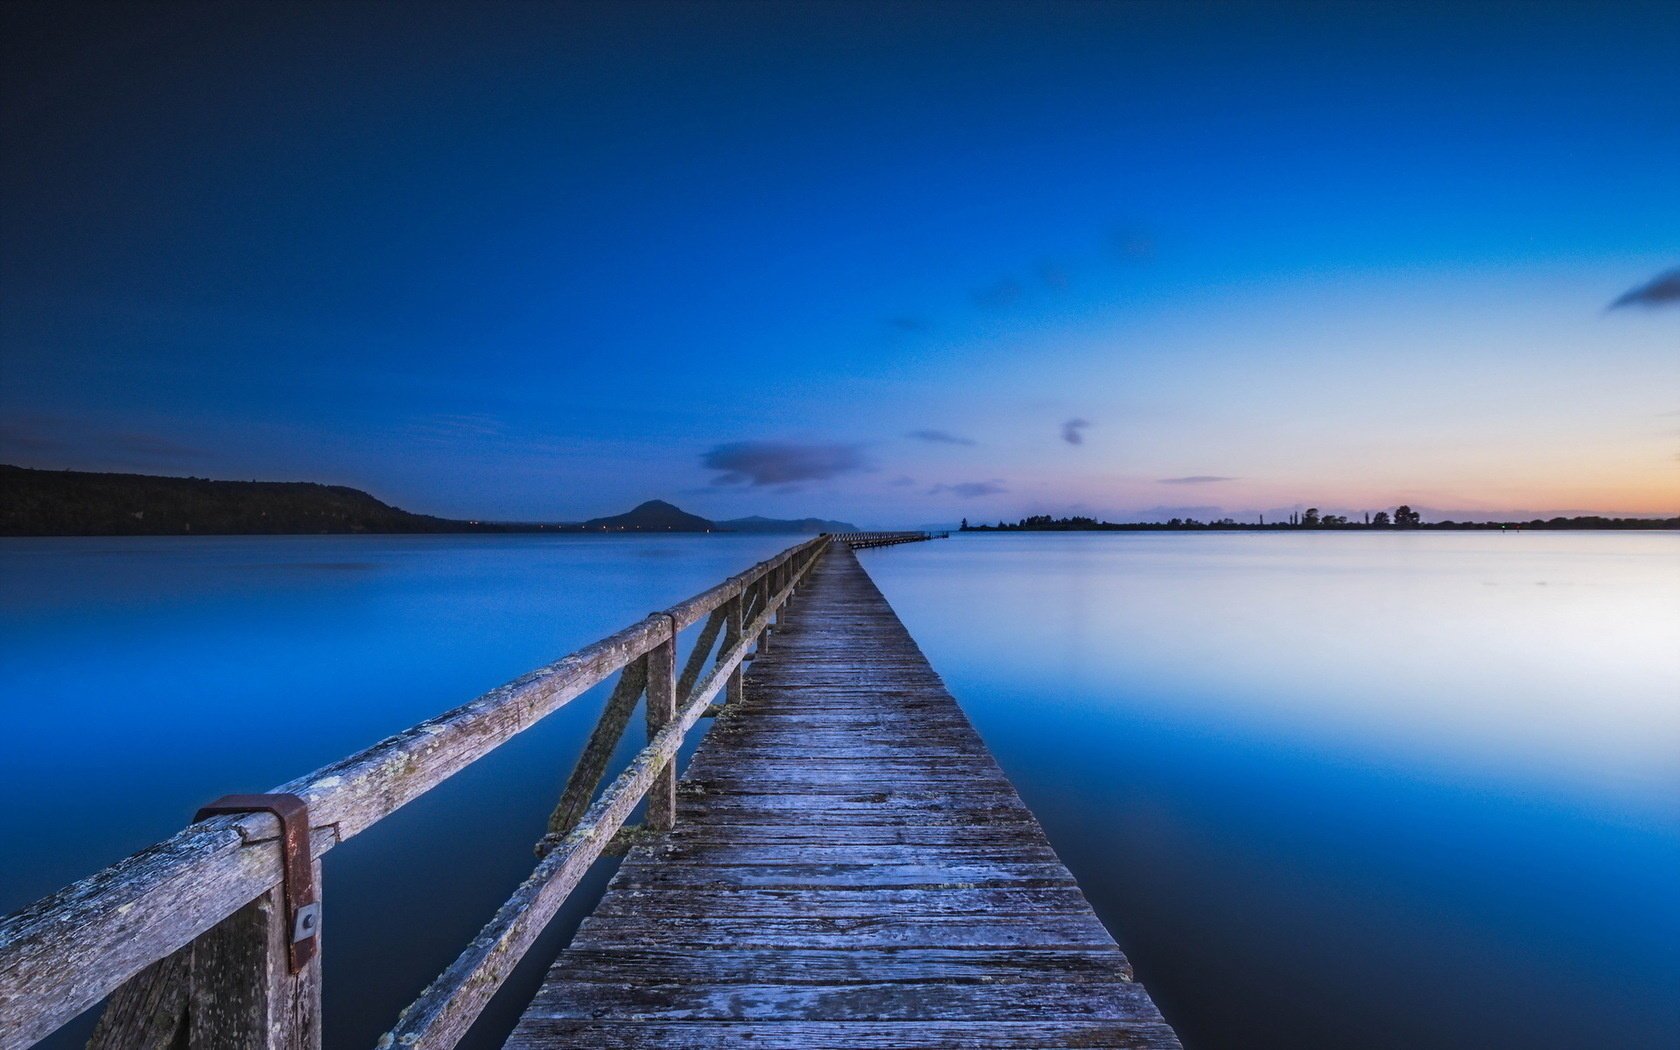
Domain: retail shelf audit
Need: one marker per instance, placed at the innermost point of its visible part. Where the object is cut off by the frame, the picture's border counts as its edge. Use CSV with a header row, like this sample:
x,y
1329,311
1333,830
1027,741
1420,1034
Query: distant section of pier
x,y
843,865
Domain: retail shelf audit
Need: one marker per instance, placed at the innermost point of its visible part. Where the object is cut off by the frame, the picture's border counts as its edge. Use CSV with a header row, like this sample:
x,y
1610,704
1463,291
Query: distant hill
x,y
658,516
76,503
653,516
799,525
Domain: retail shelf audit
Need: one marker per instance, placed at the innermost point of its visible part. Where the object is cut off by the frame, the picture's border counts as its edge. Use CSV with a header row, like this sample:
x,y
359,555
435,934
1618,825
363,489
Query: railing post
x,y
732,622
230,989
661,711
244,995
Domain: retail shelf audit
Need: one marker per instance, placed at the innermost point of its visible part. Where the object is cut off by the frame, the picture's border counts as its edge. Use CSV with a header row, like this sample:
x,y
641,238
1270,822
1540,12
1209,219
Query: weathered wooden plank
x,y
777,831
765,809
1046,930
733,622
242,995
808,772
150,1011
629,1034
843,901
920,874
592,763
661,712
728,852
619,963
1065,1000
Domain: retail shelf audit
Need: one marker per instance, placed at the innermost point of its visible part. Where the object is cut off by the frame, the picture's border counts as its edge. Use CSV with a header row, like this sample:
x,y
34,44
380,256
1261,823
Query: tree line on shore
x,y
1403,517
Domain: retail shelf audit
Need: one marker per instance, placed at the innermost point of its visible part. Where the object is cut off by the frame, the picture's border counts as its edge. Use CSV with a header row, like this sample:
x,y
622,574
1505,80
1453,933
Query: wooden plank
x,y
150,1011
1107,999
242,994
661,712
921,873
897,931
730,852
733,621
844,901
849,868
592,763
610,965
622,1034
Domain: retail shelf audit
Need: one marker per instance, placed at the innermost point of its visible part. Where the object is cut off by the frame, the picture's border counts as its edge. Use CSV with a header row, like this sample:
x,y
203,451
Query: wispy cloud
x,y
940,437
902,480
450,428
1196,479
970,489
781,462
1661,290
1073,431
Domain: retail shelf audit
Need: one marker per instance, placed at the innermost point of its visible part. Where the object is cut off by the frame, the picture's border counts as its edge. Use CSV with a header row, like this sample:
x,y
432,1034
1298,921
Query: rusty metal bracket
x,y
297,868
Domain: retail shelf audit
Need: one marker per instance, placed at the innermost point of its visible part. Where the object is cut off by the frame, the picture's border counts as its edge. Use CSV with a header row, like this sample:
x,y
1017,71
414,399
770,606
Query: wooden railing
x,y
187,937
864,540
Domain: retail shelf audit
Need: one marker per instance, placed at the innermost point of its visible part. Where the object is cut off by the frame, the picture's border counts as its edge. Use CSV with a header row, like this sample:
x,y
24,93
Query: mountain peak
x,y
655,515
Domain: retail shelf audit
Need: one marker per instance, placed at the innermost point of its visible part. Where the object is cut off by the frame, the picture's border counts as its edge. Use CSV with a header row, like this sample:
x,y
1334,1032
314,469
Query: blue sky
x,y
865,261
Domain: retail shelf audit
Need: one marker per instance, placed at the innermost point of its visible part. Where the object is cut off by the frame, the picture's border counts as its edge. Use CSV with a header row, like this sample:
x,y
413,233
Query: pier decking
x,y
849,868
844,864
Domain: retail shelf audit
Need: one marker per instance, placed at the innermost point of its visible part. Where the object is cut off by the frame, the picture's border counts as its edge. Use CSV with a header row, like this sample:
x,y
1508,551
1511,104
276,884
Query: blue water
x,y
1328,791
1392,790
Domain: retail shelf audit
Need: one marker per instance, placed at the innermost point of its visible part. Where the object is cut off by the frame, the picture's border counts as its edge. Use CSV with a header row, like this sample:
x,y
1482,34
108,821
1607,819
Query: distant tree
x,y
1380,518
1310,518
965,523
1407,518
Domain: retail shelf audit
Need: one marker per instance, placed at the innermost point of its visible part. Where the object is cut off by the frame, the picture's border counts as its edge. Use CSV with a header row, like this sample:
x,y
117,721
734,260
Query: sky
x,y
892,263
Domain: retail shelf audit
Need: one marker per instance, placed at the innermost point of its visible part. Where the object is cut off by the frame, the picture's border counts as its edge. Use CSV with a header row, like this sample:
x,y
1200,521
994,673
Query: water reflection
x,y
1329,791
1344,791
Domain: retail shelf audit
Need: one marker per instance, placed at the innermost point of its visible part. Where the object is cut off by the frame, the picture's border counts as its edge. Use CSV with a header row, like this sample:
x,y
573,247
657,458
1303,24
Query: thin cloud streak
x,y
1196,479
781,462
970,489
941,437
1661,290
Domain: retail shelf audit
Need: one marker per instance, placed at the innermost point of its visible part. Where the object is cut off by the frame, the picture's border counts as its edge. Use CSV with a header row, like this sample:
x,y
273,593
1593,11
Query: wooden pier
x,y
842,865
849,868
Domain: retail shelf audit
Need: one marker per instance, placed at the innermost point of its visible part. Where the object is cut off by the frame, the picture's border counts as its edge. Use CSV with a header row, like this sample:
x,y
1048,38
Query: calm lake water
x,y
1328,791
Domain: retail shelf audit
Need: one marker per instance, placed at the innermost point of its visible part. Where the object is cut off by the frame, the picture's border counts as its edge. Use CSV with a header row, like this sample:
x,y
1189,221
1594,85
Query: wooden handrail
x,y
69,950
444,1012
864,540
